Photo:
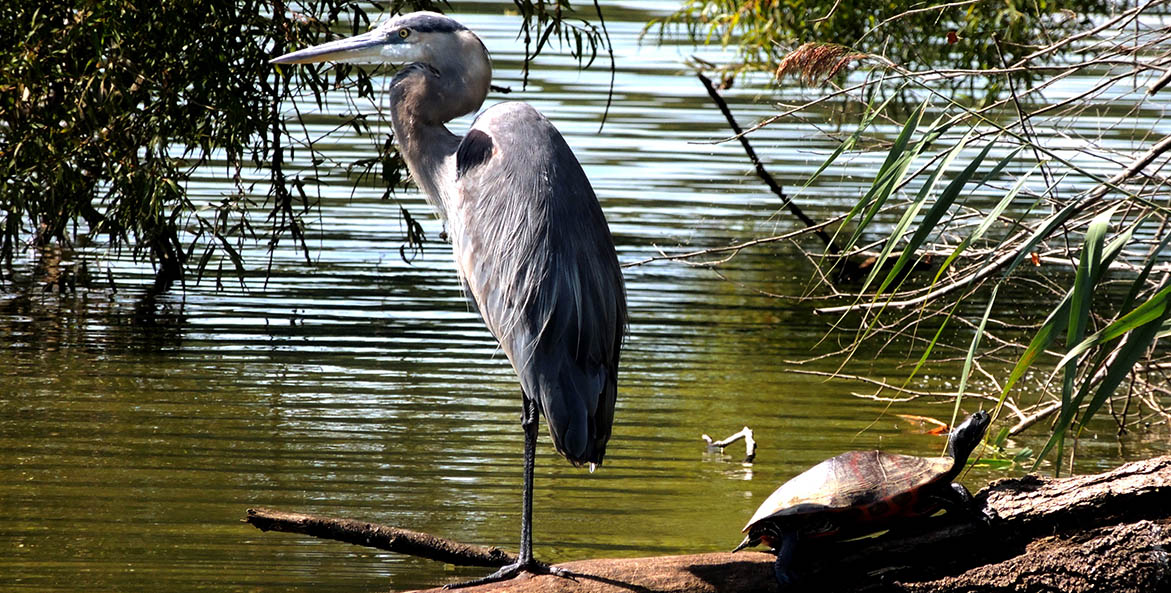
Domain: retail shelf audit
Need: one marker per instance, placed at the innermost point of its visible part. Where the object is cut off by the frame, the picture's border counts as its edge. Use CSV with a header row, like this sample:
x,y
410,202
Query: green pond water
x,y
359,385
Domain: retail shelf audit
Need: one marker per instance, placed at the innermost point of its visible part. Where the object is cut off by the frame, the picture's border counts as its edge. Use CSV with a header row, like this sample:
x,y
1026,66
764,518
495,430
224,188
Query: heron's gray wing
x,y
534,249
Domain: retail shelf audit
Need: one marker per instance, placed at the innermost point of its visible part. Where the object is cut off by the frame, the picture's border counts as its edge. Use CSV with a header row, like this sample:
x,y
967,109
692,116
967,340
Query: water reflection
x,y
362,385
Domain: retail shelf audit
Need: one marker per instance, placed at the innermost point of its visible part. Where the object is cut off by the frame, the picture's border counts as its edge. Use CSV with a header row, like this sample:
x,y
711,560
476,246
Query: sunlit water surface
x,y
360,385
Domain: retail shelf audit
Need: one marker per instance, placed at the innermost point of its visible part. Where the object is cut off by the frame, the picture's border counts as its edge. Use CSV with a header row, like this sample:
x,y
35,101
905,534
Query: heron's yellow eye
x,y
404,33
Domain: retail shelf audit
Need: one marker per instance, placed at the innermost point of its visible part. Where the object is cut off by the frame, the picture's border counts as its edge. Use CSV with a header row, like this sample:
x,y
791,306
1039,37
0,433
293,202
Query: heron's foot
x,y
512,571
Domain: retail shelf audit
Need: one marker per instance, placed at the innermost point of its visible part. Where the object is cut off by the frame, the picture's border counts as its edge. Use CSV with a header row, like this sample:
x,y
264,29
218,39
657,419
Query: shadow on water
x,y
42,320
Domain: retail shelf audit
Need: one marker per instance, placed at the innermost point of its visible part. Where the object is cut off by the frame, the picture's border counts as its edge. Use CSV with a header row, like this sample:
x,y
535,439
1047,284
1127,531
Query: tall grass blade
x,y
970,357
992,217
1136,344
1079,311
994,173
935,214
1150,310
887,178
868,118
912,211
1056,321
1144,322
1057,219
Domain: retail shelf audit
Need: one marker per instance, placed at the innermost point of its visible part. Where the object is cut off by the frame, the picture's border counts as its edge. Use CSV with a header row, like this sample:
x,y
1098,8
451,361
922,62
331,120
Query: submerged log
x,y
1108,532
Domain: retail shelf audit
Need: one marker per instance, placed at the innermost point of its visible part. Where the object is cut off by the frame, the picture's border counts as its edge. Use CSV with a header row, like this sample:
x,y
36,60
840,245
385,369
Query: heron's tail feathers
x,y
579,408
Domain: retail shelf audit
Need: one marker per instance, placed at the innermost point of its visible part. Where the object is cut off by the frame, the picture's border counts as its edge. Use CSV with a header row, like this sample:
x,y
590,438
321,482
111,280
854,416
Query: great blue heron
x,y
530,242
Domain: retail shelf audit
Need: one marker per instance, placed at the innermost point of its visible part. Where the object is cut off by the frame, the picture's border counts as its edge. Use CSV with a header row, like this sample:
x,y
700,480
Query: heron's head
x,y
426,37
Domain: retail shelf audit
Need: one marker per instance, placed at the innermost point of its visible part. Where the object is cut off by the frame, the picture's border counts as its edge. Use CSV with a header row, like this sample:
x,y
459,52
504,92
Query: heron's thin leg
x,y
525,562
782,567
529,421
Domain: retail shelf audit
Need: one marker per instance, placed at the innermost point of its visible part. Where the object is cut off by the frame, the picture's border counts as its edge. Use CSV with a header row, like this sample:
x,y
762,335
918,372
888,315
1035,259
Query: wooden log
x,y
1045,538
382,537
1107,532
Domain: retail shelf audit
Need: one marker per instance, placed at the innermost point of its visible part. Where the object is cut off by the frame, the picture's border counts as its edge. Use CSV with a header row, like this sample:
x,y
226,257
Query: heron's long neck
x,y
426,146
424,98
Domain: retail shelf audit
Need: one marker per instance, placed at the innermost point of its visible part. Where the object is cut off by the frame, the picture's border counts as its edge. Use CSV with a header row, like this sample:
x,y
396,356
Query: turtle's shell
x,y
853,489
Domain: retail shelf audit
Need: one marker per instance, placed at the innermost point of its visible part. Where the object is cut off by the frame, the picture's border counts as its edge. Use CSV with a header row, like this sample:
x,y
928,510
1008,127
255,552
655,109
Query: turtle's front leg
x,y
782,567
958,500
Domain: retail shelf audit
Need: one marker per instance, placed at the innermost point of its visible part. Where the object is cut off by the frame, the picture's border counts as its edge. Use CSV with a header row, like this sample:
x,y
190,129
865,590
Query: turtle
x,y
861,492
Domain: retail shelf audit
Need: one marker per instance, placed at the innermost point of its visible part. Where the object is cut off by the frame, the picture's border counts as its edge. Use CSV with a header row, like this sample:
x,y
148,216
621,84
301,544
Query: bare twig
x,y
733,249
934,7
831,12
943,290
761,172
1159,84
1135,167
749,443
1045,412
910,394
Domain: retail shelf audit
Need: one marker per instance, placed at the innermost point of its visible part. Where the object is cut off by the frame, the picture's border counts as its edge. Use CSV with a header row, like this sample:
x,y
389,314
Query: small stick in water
x,y
749,443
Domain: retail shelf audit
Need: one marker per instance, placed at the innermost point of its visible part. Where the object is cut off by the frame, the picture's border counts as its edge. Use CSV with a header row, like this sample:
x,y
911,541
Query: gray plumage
x,y
530,242
544,274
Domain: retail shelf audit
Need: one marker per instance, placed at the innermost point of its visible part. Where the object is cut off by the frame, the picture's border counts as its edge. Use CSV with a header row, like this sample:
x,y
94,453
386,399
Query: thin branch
x,y
760,170
831,12
912,394
932,295
393,539
1034,418
613,66
934,7
736,248
1137,166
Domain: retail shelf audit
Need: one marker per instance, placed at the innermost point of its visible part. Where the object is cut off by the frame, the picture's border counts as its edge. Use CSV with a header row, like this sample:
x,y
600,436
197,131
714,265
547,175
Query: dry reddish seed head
x,y
818,61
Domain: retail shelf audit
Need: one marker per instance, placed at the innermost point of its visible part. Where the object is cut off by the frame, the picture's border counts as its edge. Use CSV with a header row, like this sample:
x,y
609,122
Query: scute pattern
x,y
851,481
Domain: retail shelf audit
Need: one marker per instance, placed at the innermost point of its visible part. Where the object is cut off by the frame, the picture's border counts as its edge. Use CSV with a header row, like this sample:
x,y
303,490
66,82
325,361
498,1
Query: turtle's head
x,y
966,436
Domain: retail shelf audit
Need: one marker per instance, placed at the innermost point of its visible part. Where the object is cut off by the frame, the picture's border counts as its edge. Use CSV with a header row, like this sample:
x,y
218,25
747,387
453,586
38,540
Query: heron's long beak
x,y
373,47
